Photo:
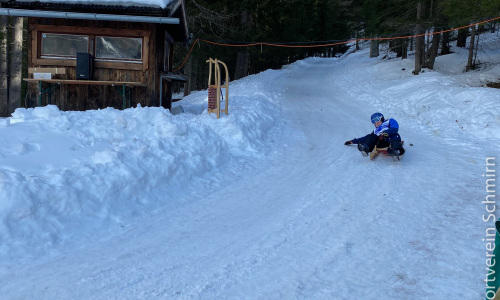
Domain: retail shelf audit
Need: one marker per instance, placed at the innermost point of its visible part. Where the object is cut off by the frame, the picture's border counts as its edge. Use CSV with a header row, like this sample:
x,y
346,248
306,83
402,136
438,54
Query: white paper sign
x,y
42,75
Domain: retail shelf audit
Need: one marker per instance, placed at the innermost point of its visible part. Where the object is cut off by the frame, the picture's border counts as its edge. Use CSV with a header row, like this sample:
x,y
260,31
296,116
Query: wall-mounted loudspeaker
x,y
84,66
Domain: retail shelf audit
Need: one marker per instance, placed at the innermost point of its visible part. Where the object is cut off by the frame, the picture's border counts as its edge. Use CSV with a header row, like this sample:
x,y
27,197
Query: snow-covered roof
x,y
139,3
159,9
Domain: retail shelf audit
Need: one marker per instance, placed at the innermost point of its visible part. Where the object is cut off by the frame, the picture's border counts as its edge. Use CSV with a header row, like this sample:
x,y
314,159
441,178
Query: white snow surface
x,y
264,203
139,3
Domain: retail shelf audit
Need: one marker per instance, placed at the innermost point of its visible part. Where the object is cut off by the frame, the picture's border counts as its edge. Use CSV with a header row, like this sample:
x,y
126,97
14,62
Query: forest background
x,y
251,36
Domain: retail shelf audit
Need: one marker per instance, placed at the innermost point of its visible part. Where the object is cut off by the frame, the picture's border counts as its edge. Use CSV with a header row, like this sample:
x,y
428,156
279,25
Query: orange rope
x,y
332,44
186,57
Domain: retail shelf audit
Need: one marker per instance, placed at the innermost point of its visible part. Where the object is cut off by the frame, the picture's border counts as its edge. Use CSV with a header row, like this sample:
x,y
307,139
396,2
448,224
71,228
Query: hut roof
x,y
149,8
123,3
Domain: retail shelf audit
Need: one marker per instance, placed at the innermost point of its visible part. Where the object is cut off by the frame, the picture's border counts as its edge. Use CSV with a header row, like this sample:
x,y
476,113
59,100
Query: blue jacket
x,y
390,126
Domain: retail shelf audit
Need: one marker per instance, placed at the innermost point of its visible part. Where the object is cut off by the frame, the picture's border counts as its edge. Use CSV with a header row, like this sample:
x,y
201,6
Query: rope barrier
x,y
286,45
187,56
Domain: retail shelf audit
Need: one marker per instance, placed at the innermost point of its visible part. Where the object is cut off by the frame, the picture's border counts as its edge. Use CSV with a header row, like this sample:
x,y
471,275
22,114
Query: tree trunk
x,y
433,50
242,62
420,59
462,38
476,49
243,58
357,40
16,63
4,91
404,49
419,41
374,52
401,48
188,71
470,63
445,44
394,45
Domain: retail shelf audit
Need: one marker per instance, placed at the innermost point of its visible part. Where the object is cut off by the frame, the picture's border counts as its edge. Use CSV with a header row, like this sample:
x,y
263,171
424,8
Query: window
x,y
65,45
125,49
118,48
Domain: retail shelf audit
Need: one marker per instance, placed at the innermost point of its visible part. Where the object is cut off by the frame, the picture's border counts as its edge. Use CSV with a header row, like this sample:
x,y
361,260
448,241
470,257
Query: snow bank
x,y
250,116
68,174
446,98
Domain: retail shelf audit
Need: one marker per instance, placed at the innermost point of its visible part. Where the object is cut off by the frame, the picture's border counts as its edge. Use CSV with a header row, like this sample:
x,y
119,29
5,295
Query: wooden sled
x,y
376,151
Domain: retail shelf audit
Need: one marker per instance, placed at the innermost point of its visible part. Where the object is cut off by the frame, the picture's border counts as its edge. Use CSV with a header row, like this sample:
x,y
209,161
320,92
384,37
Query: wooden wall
x,y
83,97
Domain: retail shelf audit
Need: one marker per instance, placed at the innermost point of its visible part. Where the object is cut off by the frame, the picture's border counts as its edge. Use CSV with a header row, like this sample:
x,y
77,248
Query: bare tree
x,y
404,49
462,38
476,49
470,61
16,62
205,22
433,50
189,74
374,50
3,67
242,64
445,44
243,58
419,41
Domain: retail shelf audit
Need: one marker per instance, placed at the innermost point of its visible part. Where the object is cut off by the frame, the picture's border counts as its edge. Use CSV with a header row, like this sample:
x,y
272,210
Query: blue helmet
x,y
377,117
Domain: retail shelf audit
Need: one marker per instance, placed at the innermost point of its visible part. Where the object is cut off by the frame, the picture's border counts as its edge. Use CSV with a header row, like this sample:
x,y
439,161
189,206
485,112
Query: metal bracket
x,y
47,90
123,92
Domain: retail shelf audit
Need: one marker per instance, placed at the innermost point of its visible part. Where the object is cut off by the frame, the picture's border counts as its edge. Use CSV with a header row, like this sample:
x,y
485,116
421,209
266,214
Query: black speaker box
x,y
84,66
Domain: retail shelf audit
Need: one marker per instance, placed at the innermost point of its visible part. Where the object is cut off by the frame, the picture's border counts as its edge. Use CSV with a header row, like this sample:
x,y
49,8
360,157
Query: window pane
x,y
63,44
118,48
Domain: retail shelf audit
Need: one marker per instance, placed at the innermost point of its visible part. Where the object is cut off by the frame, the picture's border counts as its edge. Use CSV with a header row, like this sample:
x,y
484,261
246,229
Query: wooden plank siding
x,y
83,97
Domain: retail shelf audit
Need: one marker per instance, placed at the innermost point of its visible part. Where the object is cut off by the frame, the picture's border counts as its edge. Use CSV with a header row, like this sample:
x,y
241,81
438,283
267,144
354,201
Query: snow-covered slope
x,y
266,203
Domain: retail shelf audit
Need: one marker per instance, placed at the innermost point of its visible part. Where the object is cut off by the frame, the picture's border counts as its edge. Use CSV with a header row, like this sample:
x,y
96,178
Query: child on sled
x,y
385,135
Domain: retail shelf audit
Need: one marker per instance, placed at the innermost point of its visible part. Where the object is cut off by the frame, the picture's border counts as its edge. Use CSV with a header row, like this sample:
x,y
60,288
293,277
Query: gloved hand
x,y
348,143
384,136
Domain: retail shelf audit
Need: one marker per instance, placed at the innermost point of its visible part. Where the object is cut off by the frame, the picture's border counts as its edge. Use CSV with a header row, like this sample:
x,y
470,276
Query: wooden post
x,y
124,96
226,85
217,74
39,93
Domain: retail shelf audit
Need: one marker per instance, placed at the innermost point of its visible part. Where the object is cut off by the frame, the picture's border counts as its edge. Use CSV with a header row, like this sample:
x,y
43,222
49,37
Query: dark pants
x,y
373,140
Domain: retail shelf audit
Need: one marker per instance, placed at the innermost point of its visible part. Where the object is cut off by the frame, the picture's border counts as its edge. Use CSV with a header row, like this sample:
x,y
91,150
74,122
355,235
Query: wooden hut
x,y
85,54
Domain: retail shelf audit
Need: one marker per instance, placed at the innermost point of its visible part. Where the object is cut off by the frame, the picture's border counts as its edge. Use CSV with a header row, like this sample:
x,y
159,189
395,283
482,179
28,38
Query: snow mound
x,y
67,174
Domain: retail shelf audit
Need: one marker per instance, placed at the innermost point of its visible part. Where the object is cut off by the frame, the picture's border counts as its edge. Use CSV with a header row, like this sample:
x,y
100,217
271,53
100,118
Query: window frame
x,y
61,56
92,33
117,59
